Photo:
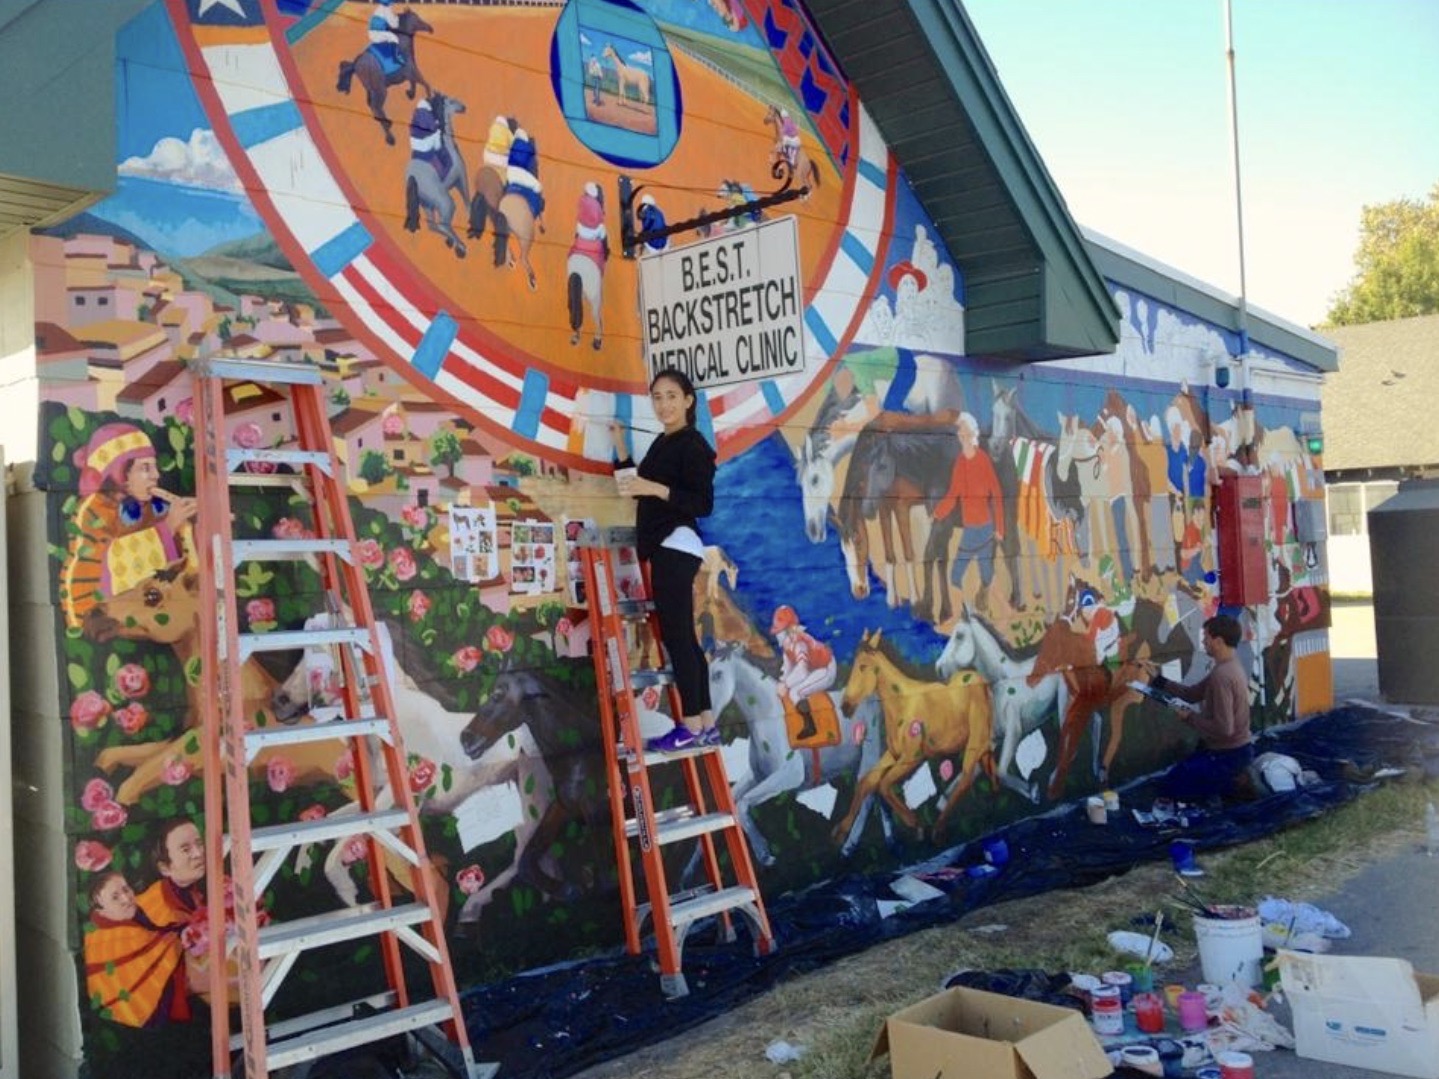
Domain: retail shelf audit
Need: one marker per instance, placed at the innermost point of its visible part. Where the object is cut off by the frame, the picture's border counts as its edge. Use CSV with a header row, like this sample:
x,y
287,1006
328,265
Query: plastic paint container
x,y
1120,980
1235,1066
1106,1011
1207,1073
1111,801
1171,996
1193,1014
996,851
1142,1058
1084,985
1094,807
1142,977
1148,1014
1231,948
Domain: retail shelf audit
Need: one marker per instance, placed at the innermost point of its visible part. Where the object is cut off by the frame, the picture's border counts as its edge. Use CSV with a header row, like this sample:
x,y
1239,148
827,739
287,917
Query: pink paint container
x,y
1193,1015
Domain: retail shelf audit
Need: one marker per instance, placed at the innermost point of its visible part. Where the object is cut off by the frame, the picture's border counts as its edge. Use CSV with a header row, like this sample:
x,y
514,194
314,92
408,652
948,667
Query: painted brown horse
x,y
372,77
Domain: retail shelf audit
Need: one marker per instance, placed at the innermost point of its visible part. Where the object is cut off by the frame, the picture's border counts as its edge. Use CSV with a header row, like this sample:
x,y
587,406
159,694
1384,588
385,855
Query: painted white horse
x,y
1019,708
774,766
1080,451
631,77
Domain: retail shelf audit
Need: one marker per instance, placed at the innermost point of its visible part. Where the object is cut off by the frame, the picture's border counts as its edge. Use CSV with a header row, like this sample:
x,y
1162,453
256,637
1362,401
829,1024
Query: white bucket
x,y
1231,949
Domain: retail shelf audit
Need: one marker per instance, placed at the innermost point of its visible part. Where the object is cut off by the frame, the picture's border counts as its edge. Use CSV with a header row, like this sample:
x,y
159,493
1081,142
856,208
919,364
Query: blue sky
x,y
1127,103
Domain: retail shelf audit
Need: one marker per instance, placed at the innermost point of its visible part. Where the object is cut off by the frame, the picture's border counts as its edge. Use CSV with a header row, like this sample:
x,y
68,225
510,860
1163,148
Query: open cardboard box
x,y
1365,1012
970,1034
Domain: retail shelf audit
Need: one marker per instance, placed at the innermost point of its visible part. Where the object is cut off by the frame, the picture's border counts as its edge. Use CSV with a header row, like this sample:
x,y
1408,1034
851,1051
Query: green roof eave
x,y
1031,291
1131,270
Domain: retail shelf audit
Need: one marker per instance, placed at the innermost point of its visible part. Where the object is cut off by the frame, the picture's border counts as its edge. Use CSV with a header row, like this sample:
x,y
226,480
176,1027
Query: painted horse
x,y
922,720
802,170
429,189
370,71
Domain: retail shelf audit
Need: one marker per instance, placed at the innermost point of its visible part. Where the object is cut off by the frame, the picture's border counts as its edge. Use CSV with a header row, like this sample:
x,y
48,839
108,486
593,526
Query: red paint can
x,y
1107,1011
1148,1013
1235,1066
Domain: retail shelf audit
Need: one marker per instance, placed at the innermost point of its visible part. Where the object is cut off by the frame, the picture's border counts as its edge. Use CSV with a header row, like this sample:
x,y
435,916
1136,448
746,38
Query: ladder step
x,y
291,374
273,550
609,536
355,1032
634,608
277,836
677,825
711,903
644,679
653,757
301,734
297,639
332,927
236,459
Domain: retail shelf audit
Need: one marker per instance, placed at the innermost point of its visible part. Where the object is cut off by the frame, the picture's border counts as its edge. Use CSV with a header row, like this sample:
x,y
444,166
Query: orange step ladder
x,y
621,615
383,815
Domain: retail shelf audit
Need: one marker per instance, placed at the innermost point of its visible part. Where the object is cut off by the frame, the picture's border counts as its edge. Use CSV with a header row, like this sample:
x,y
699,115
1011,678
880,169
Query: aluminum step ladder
x,y
623,620
383,816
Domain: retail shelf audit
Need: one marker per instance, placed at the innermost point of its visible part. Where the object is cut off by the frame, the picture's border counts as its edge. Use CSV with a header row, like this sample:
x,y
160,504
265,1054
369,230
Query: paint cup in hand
x,y
625,478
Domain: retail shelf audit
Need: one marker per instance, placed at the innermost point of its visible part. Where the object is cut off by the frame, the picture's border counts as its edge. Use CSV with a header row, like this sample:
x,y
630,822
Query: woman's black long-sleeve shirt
x,y
685,463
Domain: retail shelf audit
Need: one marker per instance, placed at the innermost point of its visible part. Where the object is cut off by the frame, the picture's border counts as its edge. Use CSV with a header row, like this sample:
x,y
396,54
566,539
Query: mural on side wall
x,y
929,580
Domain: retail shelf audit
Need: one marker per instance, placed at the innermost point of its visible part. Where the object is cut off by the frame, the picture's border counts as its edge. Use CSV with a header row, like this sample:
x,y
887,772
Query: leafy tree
x,y
519,464
548,615
1398,263
340,397
373,466
445,451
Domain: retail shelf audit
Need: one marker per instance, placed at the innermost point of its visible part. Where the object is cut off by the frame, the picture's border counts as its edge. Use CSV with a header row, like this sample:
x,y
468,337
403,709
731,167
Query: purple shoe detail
x,y
711,738
677,738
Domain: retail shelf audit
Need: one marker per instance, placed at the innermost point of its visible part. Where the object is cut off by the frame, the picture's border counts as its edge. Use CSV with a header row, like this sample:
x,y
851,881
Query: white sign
x,y
728,309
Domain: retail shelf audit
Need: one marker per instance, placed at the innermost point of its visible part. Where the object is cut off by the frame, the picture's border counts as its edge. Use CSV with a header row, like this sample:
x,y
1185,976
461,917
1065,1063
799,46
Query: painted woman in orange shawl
x,y
134,971
126,526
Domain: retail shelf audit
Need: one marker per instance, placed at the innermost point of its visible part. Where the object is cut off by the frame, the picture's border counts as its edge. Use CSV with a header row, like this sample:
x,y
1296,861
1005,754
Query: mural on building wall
x,y
929,578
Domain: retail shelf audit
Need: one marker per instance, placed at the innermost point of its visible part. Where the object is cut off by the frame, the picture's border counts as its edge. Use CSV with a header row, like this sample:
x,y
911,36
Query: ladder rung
x,y
332,927
704,906
296,459
297,639
610,536
276,836
356,1032
633,608
654,756
274,371
677,825
644,679
265,737
272,550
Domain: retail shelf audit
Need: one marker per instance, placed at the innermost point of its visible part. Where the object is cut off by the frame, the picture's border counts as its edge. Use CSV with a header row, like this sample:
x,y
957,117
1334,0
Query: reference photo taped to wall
x,y
726,309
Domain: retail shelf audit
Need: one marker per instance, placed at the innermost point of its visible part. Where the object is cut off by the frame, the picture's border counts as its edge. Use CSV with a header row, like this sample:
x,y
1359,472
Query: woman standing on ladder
x,y
674,487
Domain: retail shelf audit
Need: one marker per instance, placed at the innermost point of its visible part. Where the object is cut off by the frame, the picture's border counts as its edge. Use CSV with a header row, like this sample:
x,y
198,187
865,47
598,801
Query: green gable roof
x,y
1031,291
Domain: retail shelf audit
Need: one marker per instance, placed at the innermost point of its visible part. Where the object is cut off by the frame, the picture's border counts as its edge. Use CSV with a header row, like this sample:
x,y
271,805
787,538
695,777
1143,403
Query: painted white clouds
x,y
200,162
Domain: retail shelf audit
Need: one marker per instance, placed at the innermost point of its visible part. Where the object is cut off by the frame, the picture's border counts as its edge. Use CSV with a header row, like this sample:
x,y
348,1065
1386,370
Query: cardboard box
x,y
1364,1012
971,1034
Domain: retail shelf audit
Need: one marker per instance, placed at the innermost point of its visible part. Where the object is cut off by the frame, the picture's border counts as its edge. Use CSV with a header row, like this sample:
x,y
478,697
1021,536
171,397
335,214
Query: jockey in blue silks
x,y
384,40
652,219
523,175
427,141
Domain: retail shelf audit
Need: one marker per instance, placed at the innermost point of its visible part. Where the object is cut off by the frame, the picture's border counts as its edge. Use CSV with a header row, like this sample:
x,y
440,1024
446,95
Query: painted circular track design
x,y
308,157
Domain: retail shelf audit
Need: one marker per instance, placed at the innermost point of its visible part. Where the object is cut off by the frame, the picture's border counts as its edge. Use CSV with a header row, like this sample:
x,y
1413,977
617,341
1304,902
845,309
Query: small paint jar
x,y
1148,1013
1144,1058
1193,1015
1120,980
1094,808
1083,986
1141,975
1111,801
1106,1012
1235,1066
1207,1072
996,851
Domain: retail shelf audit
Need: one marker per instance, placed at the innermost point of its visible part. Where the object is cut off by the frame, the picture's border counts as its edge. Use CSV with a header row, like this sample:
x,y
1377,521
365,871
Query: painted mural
x,y
929,580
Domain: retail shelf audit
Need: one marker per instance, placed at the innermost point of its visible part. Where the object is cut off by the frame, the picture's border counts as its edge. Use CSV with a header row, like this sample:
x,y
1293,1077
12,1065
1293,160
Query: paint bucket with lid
x,y
1094,807
1231,946
1235,1065
1106,1011
1144,1058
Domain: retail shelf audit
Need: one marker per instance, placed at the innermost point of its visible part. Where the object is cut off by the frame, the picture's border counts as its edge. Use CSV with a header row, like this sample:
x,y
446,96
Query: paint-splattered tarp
x,y
556,1022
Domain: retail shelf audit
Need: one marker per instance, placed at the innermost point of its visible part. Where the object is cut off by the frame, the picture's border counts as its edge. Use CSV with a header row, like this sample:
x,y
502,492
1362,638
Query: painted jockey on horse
x,y
788,146
384,39
427,142
652,219
523,173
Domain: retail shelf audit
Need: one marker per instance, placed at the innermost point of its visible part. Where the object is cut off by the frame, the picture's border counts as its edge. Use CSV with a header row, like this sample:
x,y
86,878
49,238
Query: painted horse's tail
x,y
479,213
576,298
502,237
347,74
412,204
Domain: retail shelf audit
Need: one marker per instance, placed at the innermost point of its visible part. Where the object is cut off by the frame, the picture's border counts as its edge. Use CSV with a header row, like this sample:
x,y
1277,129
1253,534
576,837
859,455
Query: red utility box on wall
x,y
1239,527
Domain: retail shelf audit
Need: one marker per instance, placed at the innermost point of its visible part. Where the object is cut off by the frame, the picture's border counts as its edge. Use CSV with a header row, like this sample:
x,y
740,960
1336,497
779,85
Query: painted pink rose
x,y
89,711
133,718
370,553
195,937
946,770
564,627
467,658
290,528
248,435
314,812
857,736
650,697
110,815
916,729
470,879
393,424
176,771
419,606
279,773
96,793
260,610
91,856
354,850
345,765
402,562
132,681
185,412
415,516
422,776
498,639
